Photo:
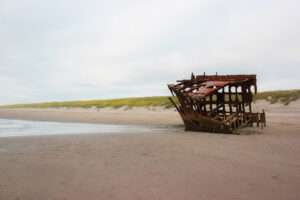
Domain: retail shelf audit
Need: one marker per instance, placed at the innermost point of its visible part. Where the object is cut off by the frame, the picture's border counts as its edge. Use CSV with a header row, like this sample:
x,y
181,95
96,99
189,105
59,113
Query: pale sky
x,y
59,50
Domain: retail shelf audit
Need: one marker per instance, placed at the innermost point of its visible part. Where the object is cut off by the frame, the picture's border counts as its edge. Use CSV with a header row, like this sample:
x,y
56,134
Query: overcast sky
x,y
59,50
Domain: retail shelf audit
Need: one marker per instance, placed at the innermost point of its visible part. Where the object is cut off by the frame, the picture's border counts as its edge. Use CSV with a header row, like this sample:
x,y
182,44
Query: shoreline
x,y
155,116
140,116
146,118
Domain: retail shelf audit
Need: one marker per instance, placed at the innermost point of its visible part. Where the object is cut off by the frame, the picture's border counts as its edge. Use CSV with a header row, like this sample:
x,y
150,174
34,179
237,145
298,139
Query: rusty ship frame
x,y
217,103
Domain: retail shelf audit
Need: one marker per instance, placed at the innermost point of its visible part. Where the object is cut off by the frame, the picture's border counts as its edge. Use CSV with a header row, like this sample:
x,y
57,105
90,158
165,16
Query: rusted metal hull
x,y
220,104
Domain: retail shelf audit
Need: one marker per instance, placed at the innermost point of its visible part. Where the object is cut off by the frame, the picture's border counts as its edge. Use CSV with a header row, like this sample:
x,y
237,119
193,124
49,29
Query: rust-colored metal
x,y
217,103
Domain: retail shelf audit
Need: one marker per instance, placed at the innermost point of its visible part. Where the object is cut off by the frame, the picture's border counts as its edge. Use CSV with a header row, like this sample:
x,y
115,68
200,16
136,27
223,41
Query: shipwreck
x,y
217,103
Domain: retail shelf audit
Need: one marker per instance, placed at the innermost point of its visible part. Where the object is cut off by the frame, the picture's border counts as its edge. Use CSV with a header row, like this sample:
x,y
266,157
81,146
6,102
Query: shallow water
x,y
11,128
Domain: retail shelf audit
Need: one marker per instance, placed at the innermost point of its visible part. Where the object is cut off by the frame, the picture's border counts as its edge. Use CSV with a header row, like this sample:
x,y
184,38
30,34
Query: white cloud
x,y
64,50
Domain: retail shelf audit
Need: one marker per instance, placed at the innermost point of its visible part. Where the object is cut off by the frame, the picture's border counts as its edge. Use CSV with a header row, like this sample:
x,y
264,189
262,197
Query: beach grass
x,y
158,101
283,96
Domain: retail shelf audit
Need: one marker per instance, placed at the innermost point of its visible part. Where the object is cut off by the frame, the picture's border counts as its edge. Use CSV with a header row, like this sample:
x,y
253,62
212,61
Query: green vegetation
x,y
160,101
283,96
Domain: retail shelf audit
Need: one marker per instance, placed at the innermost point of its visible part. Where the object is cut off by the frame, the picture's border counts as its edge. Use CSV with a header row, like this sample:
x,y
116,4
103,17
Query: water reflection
x,y
9,128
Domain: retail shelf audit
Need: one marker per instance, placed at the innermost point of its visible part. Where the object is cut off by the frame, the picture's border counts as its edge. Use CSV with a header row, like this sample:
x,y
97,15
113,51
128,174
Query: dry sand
x,y
157,165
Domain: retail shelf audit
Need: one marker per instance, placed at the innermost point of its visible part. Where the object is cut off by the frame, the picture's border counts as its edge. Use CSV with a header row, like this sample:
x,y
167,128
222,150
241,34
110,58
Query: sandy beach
x,y
171,164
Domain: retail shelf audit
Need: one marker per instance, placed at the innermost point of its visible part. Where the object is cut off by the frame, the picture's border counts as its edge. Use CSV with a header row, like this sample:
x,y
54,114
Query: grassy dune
x,y
283,96
161,101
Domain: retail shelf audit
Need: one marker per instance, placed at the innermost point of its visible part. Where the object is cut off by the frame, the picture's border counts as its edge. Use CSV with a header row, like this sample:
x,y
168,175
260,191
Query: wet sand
x,y
264,164
168,117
